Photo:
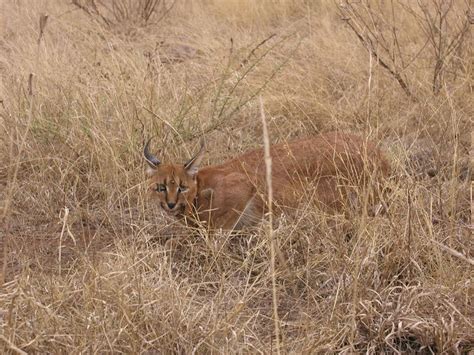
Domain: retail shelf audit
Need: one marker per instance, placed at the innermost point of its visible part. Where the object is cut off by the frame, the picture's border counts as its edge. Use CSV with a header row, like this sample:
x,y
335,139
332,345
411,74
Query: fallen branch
x,y
454,252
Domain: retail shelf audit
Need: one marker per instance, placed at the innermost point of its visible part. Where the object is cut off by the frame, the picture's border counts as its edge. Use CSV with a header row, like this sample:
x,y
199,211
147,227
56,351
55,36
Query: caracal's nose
x,y
171,205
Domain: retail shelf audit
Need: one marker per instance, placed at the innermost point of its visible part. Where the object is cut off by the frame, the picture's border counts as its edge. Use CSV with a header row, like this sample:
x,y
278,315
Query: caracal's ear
x,y
149,171
152,160
192,166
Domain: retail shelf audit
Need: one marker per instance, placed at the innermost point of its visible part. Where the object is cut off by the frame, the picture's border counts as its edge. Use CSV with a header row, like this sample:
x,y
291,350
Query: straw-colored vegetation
x,y
85,264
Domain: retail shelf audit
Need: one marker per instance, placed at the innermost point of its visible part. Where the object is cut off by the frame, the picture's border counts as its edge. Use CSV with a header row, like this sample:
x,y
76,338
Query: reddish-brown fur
x,y
329,168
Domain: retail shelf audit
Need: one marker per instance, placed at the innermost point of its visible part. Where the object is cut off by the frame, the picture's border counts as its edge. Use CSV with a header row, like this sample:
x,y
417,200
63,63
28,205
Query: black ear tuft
x,y
192,166
152,160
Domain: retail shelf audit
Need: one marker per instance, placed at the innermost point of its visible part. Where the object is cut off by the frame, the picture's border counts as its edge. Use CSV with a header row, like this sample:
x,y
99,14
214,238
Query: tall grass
x,y
86,264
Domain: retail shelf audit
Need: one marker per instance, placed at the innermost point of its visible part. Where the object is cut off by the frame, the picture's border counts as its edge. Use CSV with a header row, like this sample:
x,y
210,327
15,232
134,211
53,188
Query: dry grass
x,y
85,267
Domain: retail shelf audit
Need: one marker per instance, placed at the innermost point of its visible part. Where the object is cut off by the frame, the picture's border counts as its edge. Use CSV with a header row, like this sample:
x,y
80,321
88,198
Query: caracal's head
x,y
173,186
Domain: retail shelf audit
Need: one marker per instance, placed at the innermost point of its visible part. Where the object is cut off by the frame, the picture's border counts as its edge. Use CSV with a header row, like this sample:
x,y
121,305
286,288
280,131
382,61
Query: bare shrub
x,y
120,12
379,26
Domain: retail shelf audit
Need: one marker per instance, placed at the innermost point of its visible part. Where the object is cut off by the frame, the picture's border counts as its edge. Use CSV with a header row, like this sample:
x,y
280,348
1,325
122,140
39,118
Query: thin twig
x,y
268,175
60,251
252,52
42,25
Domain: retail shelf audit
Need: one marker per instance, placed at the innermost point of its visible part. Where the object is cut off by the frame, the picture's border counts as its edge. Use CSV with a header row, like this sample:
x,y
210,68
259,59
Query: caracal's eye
x,y
182,189
161,188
